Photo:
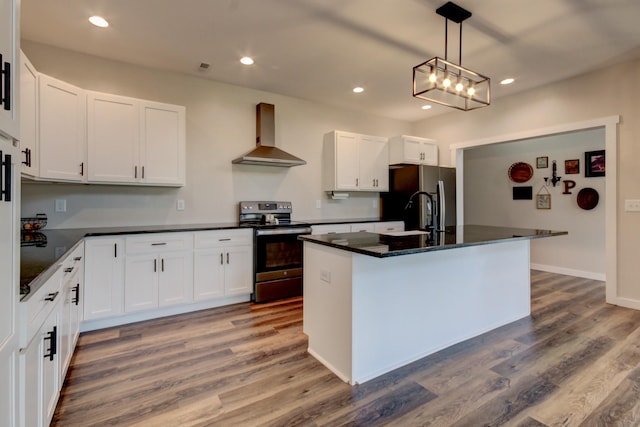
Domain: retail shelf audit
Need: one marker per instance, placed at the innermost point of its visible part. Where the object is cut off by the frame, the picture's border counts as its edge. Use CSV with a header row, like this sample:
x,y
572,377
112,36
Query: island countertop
x,y
388,245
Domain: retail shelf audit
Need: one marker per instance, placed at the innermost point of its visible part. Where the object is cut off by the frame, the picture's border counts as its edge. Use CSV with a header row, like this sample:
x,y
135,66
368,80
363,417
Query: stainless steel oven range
x,y
277,252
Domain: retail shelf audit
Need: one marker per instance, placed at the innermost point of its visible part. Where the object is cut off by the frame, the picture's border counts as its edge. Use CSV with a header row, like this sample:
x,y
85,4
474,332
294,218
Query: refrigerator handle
x,y
441,206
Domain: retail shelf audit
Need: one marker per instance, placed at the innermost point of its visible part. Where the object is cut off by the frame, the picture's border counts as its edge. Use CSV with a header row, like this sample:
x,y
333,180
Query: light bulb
x,y
459,87
446,82
432,77
471,91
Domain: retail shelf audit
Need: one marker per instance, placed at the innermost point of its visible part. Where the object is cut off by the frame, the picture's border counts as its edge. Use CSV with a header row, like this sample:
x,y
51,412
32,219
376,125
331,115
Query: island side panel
x,y
327,307
407,307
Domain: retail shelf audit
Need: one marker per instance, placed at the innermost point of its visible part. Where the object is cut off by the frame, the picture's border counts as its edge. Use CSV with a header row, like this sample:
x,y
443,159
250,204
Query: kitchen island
x,y
375,302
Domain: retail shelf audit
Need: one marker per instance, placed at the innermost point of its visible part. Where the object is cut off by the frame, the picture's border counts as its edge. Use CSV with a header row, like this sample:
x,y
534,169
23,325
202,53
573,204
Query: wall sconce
x,y
554,175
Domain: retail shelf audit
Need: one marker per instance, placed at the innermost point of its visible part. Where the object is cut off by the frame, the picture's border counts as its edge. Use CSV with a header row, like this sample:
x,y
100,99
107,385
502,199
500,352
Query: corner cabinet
x,y
62,121
103,277
354,162
133,141
412,150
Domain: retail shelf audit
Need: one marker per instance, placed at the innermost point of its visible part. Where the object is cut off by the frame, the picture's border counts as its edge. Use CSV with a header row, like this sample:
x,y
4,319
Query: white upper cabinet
x,y
162,133
412,150
62,123
9,65
28,117
133,141
113,138
354,162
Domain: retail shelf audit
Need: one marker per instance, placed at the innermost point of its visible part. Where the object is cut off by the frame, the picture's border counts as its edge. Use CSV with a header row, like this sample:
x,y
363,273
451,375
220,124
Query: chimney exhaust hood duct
x,y
266,153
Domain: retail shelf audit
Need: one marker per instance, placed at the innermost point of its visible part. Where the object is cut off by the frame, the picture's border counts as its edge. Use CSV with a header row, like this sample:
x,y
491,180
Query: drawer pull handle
x,y
224,240
52,296
158,244
68,269
52,336
78,258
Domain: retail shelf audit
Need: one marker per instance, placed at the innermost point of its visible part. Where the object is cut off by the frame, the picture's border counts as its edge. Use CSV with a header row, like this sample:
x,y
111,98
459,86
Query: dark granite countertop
x,y
382,245
39,252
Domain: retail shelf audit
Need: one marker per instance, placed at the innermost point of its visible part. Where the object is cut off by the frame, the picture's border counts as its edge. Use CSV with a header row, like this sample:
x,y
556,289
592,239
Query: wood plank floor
x,y
574,361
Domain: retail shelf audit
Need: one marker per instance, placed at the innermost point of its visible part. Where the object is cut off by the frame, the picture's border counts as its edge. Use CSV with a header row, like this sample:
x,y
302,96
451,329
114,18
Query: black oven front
x,y
278,262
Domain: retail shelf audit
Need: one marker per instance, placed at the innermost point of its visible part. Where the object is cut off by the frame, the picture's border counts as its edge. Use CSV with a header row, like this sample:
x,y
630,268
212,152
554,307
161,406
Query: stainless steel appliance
x,y
407,202
277,253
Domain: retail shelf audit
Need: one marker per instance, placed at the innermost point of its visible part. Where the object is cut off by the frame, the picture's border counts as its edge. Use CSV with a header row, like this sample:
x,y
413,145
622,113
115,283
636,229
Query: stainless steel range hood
x,y
266,153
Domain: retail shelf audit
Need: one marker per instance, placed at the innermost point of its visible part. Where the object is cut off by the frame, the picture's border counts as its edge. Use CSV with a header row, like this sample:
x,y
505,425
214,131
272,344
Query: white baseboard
x,y
92,325
569,271
626,302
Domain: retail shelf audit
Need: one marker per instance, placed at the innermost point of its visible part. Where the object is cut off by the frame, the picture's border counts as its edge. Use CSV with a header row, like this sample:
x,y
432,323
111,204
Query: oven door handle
x,y
277,231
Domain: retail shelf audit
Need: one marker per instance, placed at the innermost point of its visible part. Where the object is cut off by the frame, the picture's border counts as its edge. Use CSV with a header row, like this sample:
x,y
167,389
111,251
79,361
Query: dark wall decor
x,y
568,185
522,193
572,166
594,163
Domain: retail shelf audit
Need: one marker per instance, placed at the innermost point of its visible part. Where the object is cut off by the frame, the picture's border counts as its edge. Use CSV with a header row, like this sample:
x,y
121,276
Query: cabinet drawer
x,y
362,226
35,310
214,238
73,263
330,228
161,242
389,226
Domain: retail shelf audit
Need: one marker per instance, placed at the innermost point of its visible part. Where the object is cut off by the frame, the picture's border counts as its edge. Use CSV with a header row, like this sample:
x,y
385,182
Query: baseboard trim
x,y
569,272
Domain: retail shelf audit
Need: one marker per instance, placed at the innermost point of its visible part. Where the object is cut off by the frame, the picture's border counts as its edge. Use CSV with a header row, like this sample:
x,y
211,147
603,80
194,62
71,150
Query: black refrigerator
x,y
405,201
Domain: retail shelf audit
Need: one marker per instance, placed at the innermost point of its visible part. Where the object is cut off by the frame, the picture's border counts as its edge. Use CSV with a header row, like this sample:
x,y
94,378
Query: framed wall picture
x,y
594,163
543,201
542,162
571,166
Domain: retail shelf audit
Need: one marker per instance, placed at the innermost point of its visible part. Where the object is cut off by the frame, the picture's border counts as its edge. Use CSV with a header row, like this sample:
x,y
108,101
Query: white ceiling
x,y
320,49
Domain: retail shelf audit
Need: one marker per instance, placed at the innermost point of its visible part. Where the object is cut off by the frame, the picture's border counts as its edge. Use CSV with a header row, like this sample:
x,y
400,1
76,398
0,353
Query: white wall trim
x,y
569,271
610,123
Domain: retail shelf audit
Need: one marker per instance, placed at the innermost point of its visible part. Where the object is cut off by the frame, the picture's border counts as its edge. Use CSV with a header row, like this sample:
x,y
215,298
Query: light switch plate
x,y
61,205
180,204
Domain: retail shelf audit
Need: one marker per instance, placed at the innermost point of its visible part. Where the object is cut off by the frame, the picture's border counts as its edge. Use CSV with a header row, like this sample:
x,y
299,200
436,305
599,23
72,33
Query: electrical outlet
x,y
180,204
61,205
632,205
318,204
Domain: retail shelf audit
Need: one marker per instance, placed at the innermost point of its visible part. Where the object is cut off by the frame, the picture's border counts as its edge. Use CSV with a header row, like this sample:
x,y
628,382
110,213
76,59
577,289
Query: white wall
x,y
220,127
488,199
604,93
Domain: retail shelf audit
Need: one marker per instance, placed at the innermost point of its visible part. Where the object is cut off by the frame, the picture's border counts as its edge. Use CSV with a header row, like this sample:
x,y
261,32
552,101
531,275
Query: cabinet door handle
x,y
76,298
356,182
27,157
135,171
227,257
221,259
115,250
68,269
51,296
143,172
6,177
82,169
78,258
52,336
162,265
7,85
155,265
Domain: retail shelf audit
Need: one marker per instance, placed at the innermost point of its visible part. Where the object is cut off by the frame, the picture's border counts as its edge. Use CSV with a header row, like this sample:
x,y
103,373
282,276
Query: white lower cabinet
x,y
158,271
71,314
371,227
223,263
40,358
103,277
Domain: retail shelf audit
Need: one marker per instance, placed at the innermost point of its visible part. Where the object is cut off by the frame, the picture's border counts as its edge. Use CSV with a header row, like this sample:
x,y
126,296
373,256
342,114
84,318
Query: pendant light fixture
x,y
443,82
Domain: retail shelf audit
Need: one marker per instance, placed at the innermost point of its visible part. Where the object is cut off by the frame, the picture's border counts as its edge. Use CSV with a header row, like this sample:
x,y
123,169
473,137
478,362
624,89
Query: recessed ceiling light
x,y
358,89
426,107
507,81
246,60
99,21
